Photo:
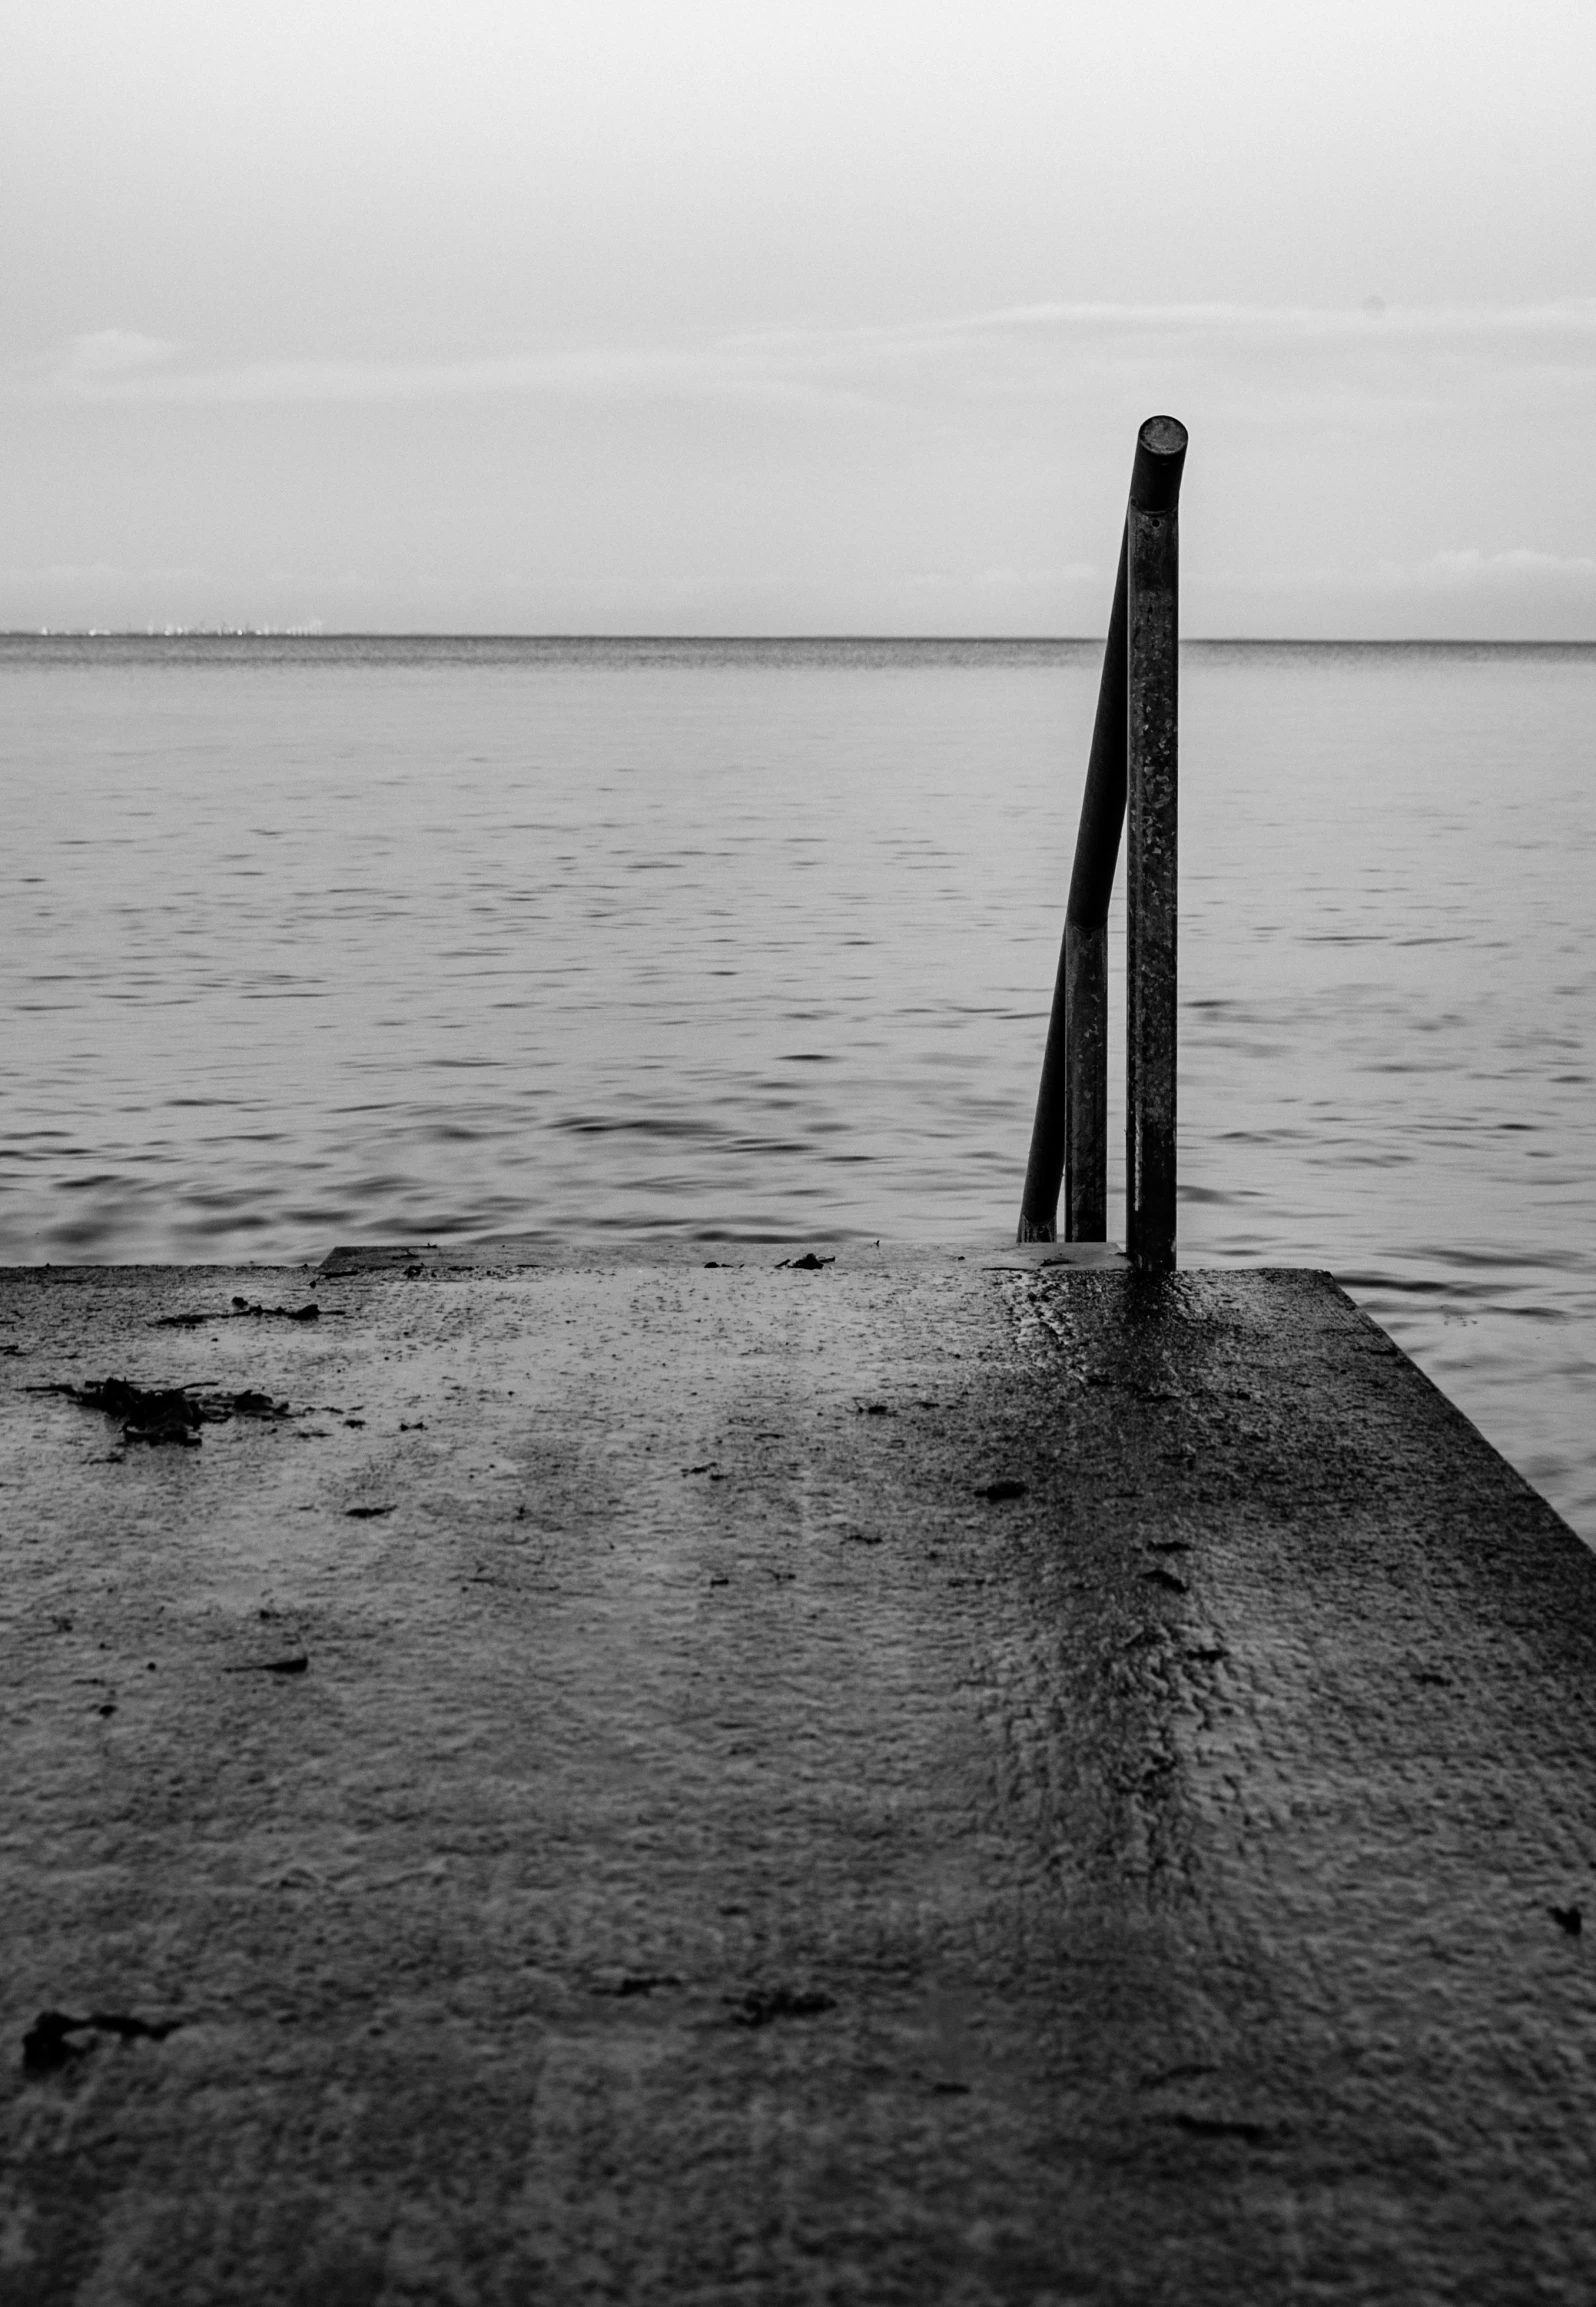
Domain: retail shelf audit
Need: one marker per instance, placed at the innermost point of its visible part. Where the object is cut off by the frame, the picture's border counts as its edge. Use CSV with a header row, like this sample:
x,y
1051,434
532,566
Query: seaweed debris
x,y
47,2044
242,1310
761,2005
166,1413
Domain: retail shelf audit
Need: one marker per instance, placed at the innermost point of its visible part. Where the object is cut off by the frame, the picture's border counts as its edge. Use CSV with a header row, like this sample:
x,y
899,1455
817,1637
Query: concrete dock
x,y
924,1778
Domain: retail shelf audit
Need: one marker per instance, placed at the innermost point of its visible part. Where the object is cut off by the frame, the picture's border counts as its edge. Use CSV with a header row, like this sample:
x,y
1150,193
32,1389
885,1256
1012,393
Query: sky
x,y
724,316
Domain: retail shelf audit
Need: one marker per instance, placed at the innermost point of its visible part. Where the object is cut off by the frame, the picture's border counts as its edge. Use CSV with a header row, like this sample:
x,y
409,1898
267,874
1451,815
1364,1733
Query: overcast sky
x,y
736,316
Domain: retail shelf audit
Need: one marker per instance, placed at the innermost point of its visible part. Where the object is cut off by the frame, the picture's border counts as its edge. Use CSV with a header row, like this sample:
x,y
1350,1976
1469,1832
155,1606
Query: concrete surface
x,y
598,1803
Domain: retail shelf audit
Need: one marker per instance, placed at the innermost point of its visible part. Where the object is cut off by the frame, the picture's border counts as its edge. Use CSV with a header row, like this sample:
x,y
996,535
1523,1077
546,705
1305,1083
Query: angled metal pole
x,y
1069,1137
1152,629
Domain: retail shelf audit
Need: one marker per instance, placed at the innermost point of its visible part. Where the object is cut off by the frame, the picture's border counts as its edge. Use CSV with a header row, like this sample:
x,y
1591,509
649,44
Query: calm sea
x,y
336,940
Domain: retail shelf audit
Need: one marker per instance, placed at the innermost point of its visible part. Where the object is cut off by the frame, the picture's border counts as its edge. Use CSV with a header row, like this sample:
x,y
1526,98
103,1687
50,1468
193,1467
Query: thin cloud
x,y
1025,348
1471,569
113,352
1006,580
104,369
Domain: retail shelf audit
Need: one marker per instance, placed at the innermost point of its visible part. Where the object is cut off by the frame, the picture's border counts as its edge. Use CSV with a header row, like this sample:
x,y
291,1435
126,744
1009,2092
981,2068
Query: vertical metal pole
x,y
1152,625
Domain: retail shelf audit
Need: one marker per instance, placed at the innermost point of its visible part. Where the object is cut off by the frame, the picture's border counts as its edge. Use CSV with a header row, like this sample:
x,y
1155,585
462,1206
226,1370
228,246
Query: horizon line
x,y
318,632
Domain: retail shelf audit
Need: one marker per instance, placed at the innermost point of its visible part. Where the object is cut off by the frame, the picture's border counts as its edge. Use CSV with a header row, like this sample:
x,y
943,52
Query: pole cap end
x,y
1160,455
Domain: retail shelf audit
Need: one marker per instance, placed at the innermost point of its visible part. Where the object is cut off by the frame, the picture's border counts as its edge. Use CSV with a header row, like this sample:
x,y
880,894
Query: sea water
x,y
752,943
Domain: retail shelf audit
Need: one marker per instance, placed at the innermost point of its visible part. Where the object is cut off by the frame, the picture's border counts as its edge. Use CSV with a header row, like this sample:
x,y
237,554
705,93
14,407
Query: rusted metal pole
x,y
1069,1137
1152,626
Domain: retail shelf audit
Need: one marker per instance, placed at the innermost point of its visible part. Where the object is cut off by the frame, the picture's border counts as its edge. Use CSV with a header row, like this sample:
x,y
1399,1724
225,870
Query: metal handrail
x,y
1132,769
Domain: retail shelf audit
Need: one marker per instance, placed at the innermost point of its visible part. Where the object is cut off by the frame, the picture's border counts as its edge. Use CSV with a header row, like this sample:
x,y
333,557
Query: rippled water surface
x,y
336,940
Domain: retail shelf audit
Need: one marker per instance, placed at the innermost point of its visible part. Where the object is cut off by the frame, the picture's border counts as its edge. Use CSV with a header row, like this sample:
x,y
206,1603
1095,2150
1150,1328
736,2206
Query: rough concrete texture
x,y
715,1851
